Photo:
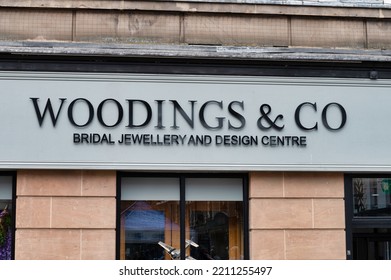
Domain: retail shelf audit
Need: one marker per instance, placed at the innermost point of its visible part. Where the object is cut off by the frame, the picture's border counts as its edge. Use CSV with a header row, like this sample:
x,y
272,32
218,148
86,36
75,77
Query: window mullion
x,y
246,226
182,206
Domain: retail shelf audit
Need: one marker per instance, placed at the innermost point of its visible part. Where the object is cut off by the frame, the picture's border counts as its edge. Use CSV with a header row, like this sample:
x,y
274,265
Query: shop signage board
x,y
180,122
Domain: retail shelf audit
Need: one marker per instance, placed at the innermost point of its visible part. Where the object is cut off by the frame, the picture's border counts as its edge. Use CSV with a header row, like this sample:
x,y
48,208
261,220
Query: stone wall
x,y
65,215
196,23
297,216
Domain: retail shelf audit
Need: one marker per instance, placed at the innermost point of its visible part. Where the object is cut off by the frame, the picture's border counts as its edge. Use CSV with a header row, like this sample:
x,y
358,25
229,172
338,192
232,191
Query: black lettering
x,y
192,141
174,139
90,111
236,115
160,114
48,107
303,141
177,107
76,138
166,139
137,139
202,115
146,106
343,116
265,110
84,138
100,115
297,116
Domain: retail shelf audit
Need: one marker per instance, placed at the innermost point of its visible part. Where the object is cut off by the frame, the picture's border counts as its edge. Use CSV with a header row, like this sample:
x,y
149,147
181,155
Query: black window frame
x,y
182,204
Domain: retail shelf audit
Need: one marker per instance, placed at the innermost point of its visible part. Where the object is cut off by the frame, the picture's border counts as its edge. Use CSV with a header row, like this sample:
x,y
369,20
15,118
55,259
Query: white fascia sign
x,y
179,122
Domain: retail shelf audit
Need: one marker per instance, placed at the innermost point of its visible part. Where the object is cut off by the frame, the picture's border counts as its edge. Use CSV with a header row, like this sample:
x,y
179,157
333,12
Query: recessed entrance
x,y
372,244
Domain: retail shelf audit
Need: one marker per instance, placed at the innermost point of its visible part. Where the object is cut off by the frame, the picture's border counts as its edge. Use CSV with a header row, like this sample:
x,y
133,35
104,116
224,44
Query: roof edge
x,y
193,52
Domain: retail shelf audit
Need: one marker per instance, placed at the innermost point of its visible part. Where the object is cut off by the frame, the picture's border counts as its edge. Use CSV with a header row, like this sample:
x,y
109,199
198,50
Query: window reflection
x,y
217,228
372,196
6,221
144,225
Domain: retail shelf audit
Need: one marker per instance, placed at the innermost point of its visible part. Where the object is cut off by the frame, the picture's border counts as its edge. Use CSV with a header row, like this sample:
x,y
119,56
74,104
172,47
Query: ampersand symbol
x,y
265,110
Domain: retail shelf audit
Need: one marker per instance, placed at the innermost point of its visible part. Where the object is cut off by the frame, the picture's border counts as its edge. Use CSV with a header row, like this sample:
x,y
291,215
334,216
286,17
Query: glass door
x,y
372,244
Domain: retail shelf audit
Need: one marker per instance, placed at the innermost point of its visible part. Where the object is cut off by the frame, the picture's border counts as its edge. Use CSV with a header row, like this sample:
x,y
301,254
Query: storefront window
x,y
372,197
149,215
214,218
152,211
6,220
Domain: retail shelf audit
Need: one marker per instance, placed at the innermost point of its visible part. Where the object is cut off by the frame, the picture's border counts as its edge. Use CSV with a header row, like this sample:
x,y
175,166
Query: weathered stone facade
x,y
199,23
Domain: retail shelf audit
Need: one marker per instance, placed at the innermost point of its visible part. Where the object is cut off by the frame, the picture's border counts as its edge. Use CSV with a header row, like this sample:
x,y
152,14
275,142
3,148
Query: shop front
x,y
163,165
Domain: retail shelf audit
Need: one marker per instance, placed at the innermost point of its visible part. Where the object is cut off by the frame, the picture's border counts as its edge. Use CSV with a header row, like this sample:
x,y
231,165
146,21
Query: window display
x,y
149,215
150,221
6,228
